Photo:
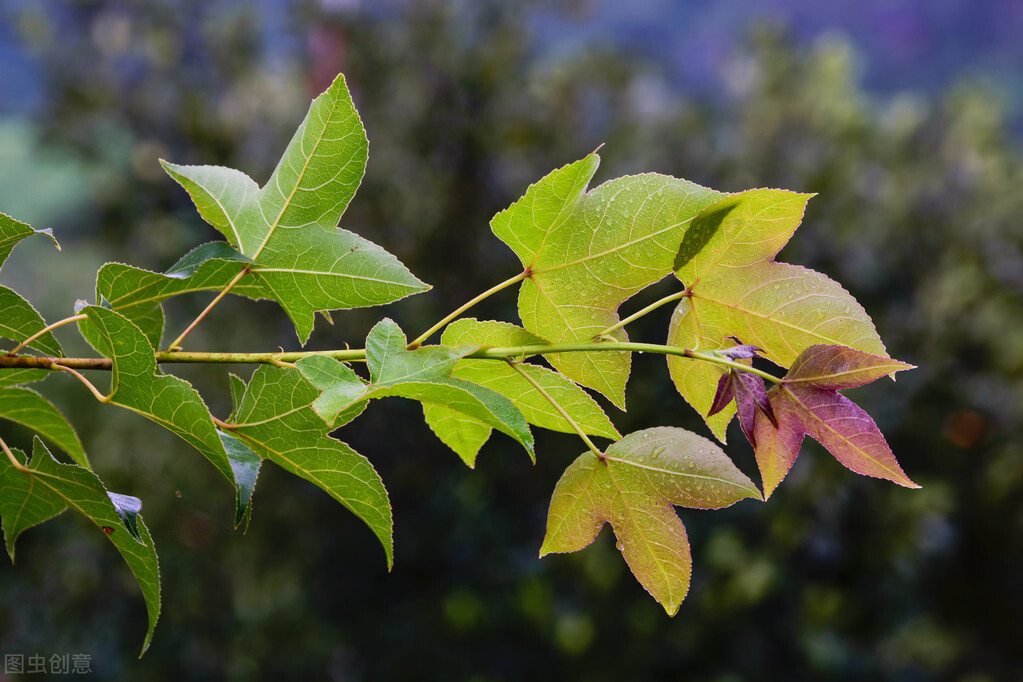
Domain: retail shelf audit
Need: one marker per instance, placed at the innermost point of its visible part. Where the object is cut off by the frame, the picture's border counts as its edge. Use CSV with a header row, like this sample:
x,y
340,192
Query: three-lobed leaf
x,y
49,487
587,252
634,488
807,402
288,228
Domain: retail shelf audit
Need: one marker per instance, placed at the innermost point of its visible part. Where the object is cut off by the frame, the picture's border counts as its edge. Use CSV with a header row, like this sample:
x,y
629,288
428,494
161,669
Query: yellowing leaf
x,y
633,488
736,290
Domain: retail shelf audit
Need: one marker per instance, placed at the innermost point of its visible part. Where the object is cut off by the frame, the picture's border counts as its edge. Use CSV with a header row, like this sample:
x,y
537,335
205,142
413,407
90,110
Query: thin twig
x,y
461,309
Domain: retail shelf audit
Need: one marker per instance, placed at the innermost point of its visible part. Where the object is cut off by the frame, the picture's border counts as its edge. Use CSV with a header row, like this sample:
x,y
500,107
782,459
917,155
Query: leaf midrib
x,y
298,181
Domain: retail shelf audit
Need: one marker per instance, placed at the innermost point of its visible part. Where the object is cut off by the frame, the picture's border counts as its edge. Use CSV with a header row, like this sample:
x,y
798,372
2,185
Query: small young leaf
x,y
807,403
750,397
343,391
13,231
599,247
20,321
49,487
37,413
275,419
633,489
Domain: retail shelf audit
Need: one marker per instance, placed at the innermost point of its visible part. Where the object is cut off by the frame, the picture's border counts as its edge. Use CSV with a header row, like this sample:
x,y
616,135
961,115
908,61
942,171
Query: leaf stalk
x,y
44,330
465,306
557,406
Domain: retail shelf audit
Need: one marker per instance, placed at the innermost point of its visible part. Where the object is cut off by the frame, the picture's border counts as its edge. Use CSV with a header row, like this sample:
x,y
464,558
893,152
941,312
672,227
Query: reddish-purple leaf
x,y
724,395
841,426
751,397
836,367
807,402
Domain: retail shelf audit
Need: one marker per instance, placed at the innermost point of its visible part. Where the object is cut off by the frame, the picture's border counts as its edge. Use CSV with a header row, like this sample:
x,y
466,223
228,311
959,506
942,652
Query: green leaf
x,y
135,385
191,262
289,226
13,231
20,321
49,487
738,290
503,379
14,377
588,252
425,375
237,391
633,489
27,407
245,467
275,419
457,430
137,293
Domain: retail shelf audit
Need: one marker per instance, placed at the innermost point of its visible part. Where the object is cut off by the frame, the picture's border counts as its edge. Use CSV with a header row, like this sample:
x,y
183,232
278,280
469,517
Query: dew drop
x,y
646,436
642,458
656,453
620,546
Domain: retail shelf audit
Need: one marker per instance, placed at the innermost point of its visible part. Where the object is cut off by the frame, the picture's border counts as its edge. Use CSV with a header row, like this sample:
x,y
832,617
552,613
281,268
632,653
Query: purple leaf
x,y
837,367
807,403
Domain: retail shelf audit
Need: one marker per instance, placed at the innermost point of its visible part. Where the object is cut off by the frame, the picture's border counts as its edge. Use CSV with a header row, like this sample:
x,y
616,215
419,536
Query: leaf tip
x,y
671,608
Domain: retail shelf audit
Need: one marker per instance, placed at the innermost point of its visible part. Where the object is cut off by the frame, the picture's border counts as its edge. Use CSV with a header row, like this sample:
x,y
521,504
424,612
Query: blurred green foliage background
x,y
837,577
